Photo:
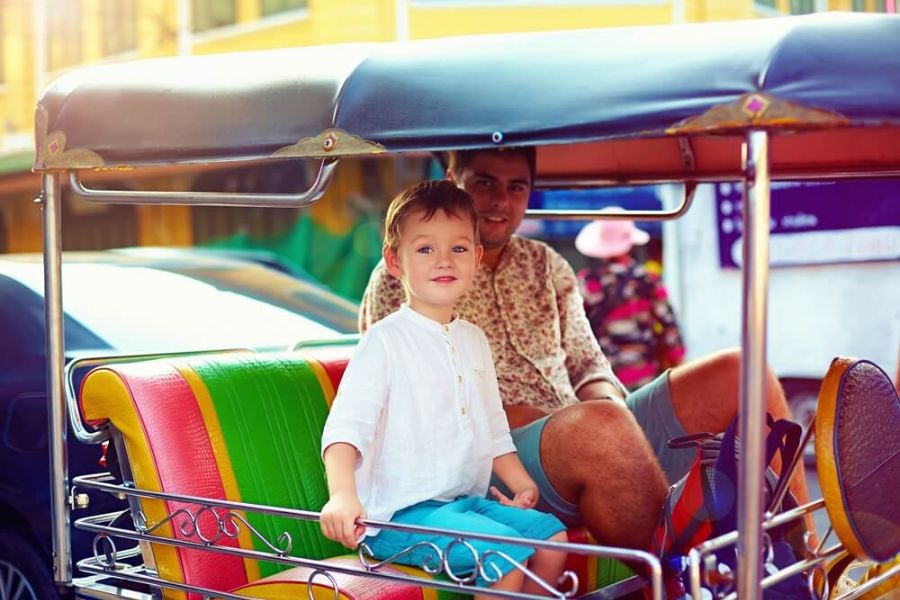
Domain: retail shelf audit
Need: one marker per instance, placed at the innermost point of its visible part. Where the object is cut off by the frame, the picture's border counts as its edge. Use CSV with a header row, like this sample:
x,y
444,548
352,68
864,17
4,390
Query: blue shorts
x,y
469,514
651,406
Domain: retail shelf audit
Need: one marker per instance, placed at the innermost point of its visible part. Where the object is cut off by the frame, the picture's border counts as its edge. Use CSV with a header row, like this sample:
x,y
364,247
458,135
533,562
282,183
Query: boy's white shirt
x,y
420,402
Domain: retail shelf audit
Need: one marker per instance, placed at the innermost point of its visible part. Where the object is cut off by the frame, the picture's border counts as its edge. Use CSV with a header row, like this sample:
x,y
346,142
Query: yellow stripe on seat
x,y
105,396
223,458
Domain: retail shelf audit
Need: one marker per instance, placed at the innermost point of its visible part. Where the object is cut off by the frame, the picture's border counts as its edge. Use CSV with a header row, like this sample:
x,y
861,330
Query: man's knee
x,y
592,424
589,431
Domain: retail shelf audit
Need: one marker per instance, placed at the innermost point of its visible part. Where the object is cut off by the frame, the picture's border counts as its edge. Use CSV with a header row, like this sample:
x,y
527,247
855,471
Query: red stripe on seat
x,y
335,369
352,587
185,462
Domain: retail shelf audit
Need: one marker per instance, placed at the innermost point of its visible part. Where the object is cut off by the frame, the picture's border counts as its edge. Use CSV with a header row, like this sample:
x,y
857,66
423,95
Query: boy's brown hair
x,y
429,197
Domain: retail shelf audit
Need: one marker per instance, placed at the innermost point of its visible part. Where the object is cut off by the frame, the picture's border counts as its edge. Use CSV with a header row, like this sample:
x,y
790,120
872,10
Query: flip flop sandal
x,y
858,457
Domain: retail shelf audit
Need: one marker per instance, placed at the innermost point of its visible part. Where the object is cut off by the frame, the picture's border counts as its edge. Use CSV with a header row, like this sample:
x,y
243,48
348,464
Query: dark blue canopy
x,y
642,103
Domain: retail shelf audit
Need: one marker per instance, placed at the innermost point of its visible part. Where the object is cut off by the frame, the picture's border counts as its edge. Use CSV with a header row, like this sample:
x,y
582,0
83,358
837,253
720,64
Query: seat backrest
x,y
237,427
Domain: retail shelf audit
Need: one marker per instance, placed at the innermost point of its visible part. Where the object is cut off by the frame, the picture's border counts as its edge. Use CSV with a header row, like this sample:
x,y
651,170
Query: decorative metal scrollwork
x,y
334,584
106,558
227,524
437,561
370,563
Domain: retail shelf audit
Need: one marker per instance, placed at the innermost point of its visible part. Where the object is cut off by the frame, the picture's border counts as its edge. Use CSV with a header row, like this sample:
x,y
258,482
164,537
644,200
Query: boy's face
x,y
436,260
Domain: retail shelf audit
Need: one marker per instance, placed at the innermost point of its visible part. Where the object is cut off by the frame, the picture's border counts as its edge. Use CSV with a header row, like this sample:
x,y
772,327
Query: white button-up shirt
x,y
420,403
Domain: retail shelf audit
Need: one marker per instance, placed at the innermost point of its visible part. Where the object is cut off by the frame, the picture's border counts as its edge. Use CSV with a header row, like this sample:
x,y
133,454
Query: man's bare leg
x,y
596,456
705,395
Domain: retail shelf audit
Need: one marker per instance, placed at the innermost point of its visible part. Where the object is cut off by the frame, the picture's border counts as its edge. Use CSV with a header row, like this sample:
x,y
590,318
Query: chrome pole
x,y
755,271
56,402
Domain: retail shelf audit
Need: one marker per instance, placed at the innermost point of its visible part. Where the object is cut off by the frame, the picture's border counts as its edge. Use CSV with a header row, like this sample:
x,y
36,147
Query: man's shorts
x,y
651,406
470,514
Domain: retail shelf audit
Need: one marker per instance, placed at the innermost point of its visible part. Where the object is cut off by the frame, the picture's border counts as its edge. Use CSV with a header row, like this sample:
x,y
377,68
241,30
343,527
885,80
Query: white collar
x,y
410,314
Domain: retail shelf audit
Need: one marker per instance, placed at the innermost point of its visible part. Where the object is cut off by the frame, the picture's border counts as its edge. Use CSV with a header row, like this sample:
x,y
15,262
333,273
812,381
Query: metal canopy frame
x,y
759,135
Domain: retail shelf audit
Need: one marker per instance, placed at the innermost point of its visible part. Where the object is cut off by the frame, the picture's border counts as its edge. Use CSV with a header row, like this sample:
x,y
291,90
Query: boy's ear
x,y
479,254
391,261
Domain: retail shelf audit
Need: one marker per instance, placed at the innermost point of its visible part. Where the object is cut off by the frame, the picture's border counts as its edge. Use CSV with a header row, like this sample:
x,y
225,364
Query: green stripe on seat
x,y
272,412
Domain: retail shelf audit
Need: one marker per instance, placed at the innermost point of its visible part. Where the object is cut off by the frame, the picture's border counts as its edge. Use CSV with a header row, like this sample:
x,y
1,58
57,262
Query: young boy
x,y
417,425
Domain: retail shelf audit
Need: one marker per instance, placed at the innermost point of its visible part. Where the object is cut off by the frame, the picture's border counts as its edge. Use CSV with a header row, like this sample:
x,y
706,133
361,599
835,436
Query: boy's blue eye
x,y
460,249
424,250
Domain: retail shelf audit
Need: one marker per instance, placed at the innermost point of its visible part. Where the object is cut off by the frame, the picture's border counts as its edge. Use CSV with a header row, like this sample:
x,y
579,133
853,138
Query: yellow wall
x,y
322,22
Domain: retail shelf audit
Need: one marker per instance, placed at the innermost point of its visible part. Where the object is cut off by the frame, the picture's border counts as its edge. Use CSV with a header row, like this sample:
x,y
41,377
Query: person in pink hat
x,y
627,305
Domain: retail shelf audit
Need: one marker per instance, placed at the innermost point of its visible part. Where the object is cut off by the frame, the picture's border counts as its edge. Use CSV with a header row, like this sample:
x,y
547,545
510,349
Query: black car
x,y
122,303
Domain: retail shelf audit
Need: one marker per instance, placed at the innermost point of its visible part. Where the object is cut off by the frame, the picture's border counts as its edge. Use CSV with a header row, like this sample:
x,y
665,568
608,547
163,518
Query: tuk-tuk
x,y
813,97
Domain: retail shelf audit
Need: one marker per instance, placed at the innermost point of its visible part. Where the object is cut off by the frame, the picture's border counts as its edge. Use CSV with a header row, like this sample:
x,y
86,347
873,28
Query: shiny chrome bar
x,y
871,584
794,569
613,181
101,524
297,200
690,188
696,554
755,279
56,395
99,481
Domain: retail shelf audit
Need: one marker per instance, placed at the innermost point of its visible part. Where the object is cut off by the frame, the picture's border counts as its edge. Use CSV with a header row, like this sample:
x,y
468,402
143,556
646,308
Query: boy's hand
x,y
524,498
338,521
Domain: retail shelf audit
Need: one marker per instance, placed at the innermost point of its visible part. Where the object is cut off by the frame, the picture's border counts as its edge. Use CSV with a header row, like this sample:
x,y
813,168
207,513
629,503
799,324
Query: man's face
x,y
500,184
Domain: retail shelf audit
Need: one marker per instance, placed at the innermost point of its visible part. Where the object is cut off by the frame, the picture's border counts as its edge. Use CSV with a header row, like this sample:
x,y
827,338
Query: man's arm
x,y
589,370
383,295
600,390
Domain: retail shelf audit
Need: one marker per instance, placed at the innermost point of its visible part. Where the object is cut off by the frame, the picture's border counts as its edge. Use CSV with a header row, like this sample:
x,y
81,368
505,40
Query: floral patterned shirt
x,y
629,311
532,313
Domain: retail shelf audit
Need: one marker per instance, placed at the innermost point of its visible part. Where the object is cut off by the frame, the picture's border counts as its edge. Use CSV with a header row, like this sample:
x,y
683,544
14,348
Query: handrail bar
x,y
275,200
95,481
690,188
101,525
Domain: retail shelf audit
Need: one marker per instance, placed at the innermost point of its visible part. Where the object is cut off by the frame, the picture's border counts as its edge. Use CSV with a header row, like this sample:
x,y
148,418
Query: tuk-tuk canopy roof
x,y
640,103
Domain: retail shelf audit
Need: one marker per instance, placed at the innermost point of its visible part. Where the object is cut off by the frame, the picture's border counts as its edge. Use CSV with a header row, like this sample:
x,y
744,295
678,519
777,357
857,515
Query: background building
x,y
40,39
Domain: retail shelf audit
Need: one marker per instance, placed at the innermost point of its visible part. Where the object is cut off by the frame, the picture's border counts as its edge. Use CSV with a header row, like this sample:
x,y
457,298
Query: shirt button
x,y
463,410
459,379
446,327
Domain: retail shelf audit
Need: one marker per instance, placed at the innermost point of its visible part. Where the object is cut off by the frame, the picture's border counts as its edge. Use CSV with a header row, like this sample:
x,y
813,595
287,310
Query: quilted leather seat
x,y
242,427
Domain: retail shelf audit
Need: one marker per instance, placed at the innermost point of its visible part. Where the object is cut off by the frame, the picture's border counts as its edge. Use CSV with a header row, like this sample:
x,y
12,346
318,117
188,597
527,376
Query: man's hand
x,y
525,498
338,521
600,390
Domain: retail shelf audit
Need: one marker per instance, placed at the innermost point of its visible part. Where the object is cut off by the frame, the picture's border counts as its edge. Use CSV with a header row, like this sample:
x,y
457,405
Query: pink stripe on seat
x,y
185,462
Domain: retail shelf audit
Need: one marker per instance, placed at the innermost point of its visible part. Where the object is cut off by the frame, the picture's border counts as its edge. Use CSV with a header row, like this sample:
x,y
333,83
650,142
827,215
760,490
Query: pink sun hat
x,y
608,238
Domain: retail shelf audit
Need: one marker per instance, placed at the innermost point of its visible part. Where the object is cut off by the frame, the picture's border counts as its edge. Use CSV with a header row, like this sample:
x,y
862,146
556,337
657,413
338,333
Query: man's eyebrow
x,y
483,175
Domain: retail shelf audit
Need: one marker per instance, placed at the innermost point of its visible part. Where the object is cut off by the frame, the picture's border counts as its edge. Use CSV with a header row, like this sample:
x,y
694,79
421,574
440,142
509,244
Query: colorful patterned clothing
x,y
532,313
630,314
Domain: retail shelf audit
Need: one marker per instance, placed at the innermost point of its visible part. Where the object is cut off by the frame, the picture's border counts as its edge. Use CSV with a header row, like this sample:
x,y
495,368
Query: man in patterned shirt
x,y
598,454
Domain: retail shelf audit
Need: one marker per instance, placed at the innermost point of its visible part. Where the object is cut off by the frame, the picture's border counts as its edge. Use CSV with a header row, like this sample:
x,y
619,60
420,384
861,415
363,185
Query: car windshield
x,y
140,309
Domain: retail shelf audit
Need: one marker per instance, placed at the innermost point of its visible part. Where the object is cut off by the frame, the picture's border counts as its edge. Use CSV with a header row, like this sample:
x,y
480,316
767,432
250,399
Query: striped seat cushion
x,y
242,427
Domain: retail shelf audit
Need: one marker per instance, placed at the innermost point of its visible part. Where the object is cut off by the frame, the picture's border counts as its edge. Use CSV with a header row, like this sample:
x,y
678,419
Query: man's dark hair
x,y
457,160
429,197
